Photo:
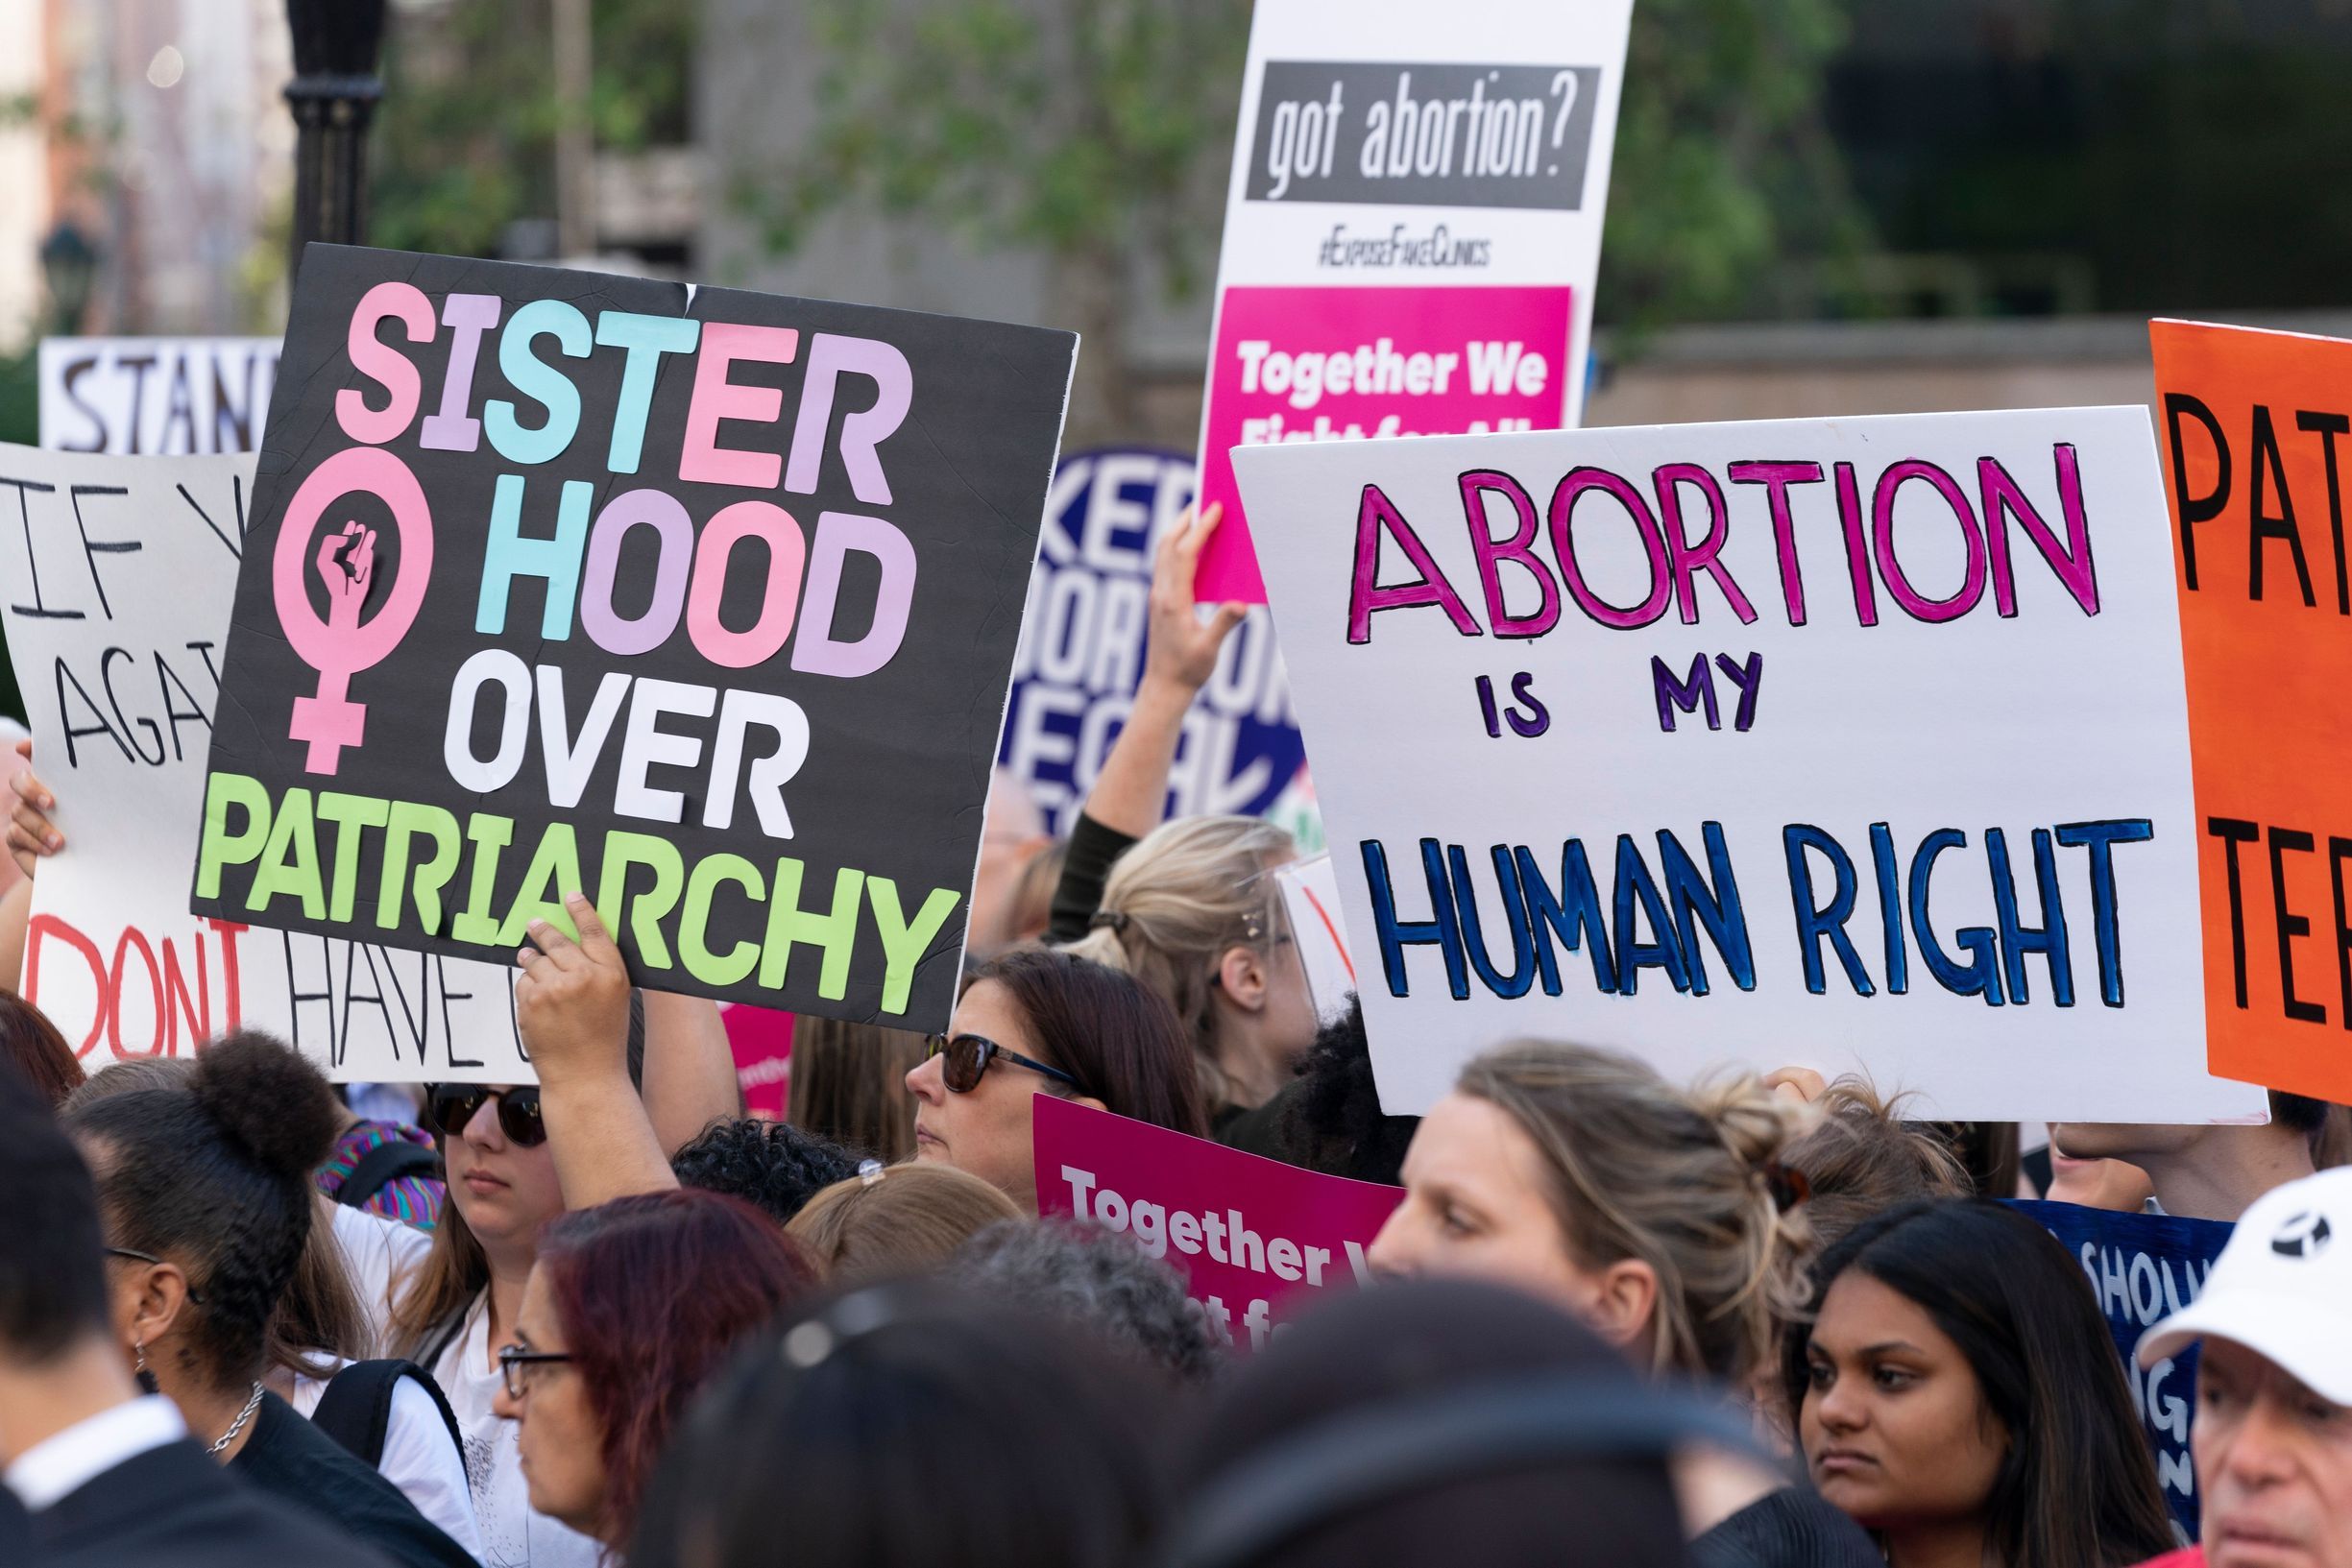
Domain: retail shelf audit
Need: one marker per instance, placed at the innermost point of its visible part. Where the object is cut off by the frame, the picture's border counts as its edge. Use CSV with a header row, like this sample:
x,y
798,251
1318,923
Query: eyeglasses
x,y
149,1258
451,1106
968,1056
513,1359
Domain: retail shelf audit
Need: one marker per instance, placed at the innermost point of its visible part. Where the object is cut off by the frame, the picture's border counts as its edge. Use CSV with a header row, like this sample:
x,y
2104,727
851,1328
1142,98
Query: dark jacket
x,y
175,1508
302,1466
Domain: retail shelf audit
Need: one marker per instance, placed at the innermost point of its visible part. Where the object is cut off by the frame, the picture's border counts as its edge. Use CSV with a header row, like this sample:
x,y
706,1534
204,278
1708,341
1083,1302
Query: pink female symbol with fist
x,y
342,644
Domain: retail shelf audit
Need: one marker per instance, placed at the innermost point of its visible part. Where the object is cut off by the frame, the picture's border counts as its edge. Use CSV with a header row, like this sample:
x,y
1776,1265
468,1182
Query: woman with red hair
x,y
630,1307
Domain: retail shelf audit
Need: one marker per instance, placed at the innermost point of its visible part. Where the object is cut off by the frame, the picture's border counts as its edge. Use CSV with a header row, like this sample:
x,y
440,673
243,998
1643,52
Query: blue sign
x,y
2143,1267
1081,652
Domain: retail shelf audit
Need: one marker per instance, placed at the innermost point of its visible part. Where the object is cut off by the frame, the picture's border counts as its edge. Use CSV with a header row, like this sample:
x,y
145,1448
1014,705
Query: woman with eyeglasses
x,y
1035,1022
450,1314
630,1308
205,1192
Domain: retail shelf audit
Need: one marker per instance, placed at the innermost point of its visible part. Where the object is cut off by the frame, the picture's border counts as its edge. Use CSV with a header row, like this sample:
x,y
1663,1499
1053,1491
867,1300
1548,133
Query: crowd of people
x,y
607,1319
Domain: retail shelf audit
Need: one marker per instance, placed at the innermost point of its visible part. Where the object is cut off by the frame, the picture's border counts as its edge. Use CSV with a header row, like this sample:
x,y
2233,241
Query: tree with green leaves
x,y
1100,132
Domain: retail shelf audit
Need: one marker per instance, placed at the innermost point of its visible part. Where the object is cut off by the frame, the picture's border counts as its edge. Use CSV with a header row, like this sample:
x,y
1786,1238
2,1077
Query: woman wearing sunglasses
x,y
449,1315
630,1308
1036,1022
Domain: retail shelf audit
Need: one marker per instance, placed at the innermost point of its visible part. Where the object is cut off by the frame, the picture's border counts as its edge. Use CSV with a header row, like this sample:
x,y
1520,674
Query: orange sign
x,y
2256,434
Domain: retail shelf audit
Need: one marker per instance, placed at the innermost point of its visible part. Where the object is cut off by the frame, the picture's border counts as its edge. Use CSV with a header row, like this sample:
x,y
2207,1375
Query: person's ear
x,y
1089,1101
1625,1303
1241,974
160,1301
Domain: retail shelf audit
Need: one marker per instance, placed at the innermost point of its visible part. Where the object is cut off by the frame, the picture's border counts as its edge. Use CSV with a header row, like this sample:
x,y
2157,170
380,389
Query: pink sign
x,y
1346,364
762,1039
1255,1239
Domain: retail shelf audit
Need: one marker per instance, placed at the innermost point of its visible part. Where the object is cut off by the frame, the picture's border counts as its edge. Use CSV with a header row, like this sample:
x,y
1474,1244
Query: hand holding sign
x,y
1183,652
572,1002
31,835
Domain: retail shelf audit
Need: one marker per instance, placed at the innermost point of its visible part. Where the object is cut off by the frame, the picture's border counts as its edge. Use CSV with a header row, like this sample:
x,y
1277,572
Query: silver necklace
x,y
252,1404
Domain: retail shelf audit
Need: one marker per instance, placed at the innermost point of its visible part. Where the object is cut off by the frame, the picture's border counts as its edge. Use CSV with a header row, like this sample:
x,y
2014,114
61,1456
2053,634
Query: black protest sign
x,y
561,582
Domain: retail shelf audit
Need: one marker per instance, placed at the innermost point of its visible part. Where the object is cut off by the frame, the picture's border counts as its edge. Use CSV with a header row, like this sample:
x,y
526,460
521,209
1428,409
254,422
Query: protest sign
x,y
1413,228
559,582
156,397
1851,744
2143,1267
1311,903
2251,424
760,1040
1254,1237
119,573
1082,642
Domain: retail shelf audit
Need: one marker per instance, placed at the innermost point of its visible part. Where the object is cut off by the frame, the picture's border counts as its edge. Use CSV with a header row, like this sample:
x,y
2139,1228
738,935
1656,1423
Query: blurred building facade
x,y
156,130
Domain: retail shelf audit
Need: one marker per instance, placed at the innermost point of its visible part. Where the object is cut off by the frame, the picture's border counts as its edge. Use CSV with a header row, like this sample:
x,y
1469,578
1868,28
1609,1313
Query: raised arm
x,y
1131,791
690,1067
572,1003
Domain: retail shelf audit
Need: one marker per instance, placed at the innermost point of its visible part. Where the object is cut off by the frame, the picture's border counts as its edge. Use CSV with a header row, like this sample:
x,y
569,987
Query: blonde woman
x,y
1659,1216
1194,913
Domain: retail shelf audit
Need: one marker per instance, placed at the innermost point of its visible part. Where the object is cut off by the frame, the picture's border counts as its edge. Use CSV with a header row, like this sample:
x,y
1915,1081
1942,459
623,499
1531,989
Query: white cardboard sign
x,y
1311,903
156,397
1412,228
1853,744
116,578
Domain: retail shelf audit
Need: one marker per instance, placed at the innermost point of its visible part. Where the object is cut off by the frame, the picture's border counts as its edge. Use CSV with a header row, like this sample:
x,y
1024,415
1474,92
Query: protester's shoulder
x,y
1791,1528
2188,1557
174,1505
289,1457
372,1240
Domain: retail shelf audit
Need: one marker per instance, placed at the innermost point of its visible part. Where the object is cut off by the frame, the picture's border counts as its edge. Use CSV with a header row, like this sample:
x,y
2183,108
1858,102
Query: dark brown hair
x,y
40,1053
848,1084
1118,1038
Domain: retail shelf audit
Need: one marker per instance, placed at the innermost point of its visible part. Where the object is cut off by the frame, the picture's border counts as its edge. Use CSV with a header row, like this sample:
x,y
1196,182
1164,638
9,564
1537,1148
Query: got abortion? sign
x,y
561,582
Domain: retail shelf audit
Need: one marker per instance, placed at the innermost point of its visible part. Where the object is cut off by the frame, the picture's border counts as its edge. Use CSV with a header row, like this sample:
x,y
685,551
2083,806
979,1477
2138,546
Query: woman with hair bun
x,y
1664,1218
204,1193
1194,912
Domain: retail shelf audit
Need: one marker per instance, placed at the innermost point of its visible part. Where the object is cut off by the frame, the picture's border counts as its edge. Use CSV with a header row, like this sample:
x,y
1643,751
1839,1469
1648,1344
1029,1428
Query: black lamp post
x,y
333,96
69,264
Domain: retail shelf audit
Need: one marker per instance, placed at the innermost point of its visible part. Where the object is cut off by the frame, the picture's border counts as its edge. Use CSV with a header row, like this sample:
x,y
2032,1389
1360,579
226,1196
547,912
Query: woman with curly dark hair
x,y
631,1307
204,1193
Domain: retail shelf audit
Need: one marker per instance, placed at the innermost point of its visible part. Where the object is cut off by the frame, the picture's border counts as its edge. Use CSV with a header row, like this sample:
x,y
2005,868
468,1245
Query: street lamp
x,y
333,96
69,264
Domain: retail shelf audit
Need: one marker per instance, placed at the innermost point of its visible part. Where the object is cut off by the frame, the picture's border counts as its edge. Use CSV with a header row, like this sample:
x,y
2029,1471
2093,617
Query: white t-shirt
x,y
418,1458
378,1253
512,1535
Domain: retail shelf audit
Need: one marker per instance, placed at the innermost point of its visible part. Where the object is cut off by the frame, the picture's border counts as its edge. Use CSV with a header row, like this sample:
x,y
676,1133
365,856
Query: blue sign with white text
x,y
1081,654
2143,1267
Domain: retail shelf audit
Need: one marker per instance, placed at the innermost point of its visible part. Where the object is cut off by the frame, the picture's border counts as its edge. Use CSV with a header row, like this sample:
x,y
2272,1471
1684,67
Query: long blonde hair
x,y
1187,894
1683,1181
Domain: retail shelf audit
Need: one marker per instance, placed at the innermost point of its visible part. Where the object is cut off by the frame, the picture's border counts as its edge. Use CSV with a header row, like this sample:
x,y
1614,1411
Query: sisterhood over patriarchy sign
x,y
1843,743
561,582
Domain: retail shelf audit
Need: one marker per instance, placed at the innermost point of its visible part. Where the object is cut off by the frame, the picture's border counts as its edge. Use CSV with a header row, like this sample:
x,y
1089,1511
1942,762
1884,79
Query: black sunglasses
x,y
451,1106
968,1056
